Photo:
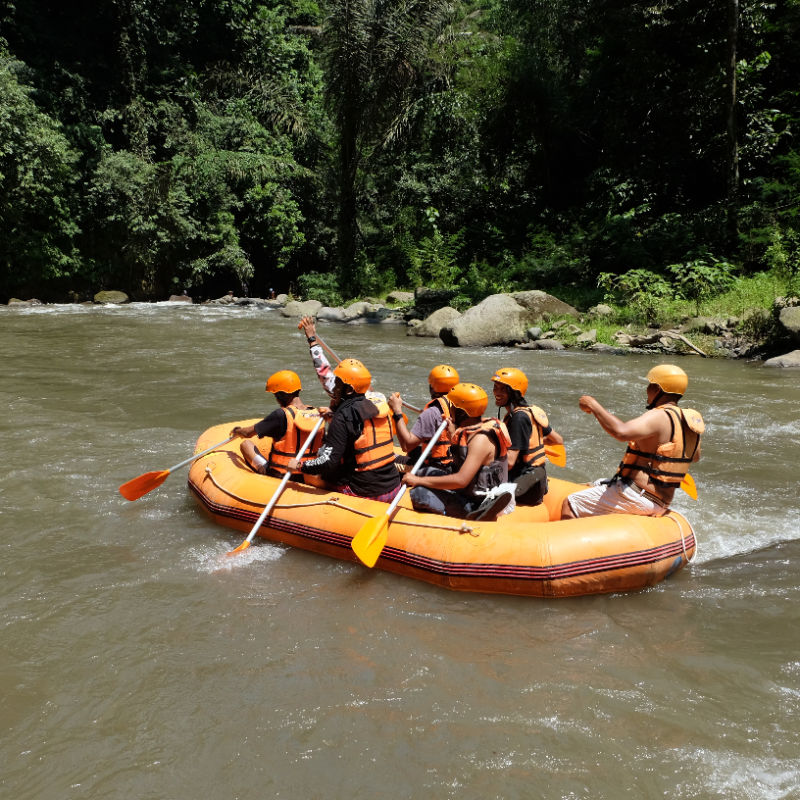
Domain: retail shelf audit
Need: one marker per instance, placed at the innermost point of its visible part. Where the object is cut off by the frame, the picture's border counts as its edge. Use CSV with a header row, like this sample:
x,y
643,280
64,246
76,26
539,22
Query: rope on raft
x,y
683,538
336,503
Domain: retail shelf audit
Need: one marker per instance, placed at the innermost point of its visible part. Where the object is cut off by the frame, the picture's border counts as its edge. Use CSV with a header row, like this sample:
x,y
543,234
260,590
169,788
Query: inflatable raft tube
x,y
529,552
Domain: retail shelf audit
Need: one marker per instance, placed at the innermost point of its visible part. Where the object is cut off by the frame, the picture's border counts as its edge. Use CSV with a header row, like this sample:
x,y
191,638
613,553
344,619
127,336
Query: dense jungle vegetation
x,y
341,148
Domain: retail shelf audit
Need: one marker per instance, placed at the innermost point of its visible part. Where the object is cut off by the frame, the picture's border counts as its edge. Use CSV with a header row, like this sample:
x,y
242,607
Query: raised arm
x,y
318,357
651,423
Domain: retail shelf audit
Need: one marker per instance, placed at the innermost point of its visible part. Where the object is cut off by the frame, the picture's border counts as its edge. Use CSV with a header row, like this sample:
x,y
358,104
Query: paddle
x,y
556,454
274,499
337,359
135,488
370,540
688,485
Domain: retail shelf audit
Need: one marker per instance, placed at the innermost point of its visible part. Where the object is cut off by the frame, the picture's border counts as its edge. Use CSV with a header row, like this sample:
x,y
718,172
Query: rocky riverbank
x,y
535,320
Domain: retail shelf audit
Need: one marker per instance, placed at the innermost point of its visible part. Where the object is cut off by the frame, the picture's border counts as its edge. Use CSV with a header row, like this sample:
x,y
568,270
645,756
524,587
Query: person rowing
x,y
473,488
441,379
357,455
287,426
662,443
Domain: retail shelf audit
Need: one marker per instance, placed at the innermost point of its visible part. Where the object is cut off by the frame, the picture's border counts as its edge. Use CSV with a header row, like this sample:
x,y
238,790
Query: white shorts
x,y
613,498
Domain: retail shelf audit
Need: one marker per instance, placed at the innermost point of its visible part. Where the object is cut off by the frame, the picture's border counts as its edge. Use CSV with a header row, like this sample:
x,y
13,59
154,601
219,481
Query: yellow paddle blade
x,y
369,542
688,485
556,454
134,489
243,546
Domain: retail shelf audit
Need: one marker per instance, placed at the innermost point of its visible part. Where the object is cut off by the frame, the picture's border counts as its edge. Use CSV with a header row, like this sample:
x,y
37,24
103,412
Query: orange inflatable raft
x,y
527,552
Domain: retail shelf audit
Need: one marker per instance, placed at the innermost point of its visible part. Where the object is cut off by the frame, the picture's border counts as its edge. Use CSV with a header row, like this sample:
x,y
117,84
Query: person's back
x,y
357,455
288,427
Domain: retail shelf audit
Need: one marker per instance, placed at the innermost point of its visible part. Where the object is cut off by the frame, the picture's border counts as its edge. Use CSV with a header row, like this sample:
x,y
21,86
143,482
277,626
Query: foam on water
x,y
212,559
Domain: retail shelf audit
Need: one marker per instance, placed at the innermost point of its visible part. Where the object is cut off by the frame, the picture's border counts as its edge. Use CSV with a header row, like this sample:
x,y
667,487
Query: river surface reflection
x,y
137,662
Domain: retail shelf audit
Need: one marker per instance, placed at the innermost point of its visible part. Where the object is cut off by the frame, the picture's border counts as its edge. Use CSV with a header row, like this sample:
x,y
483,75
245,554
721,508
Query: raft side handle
x,y
683,537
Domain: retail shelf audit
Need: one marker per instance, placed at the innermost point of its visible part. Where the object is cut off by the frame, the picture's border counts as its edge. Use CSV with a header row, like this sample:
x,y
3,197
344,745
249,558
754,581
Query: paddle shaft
x,y
204,453
434,439
284,480
325,347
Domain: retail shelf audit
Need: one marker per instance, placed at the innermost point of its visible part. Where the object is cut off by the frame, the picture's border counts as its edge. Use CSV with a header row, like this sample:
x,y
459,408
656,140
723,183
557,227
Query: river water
x,y
138,662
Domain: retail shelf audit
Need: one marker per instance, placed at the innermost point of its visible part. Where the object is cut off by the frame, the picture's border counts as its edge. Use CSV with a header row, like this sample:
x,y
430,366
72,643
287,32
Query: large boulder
x,y
789,320
789,360
431,325
331,314
360,309
117,298
400,298
502,319
296,309
540,304
426,301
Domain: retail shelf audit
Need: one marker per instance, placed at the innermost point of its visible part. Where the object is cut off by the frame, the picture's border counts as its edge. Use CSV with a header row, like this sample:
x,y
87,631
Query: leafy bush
x,y
643,291
323,287
701,278
551,261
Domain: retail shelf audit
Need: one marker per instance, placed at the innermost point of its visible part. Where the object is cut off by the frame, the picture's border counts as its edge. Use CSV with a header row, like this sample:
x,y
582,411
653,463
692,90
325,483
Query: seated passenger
x,y
357,455
529,430
288,426
478,447
662,443
441,379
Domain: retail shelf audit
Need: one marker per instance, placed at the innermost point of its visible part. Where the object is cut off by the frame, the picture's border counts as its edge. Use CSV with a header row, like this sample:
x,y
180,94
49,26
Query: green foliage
x,y
434,259
551,260
701,278
321,287
485,146
643,291
36,162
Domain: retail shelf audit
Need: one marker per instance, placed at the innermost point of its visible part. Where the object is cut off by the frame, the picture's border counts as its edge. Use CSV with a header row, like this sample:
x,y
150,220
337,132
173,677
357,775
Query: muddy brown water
x,y
138,662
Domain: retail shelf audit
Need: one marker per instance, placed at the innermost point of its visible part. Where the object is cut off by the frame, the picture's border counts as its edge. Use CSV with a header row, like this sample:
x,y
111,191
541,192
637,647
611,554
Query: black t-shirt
x,y
520,430
273,425
336,460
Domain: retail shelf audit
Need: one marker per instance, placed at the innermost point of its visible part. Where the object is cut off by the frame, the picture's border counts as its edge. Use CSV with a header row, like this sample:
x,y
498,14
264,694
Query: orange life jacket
x,y
375,446
495,472
670,463
299,423
533,455
440,454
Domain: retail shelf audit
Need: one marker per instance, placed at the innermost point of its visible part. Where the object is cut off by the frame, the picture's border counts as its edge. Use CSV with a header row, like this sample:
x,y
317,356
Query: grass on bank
x,y
745,307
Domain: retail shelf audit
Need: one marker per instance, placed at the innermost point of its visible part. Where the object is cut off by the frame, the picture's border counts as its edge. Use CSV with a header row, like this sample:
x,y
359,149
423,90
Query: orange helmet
x,y
669,378
512,377
470,398
354,374
284,381
442,378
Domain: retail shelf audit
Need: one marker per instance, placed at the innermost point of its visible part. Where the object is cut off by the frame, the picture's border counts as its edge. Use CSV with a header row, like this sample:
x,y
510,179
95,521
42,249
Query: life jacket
x,y
533,455
495,472
299,423
375,446
667,467
440,454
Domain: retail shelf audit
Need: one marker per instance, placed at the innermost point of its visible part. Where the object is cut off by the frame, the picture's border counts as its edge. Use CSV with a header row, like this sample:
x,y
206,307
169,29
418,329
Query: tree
x,y
375,53
37,229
